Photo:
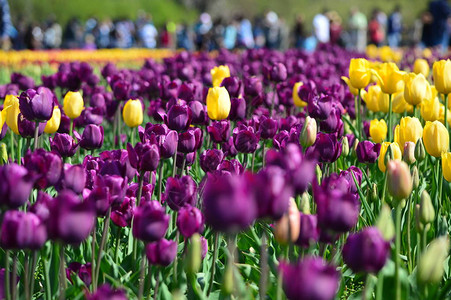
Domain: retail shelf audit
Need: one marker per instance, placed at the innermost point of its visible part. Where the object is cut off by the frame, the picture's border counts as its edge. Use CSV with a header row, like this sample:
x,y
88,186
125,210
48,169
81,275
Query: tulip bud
x,y
354,146
308,133
345,147
194,257
427,212
431,263
227,283
399,179
54,123
304,204
319,174
389,155
415,177
3,154
385,223
409,153
133,113
420,152
418,225
374,196
288,227
73,104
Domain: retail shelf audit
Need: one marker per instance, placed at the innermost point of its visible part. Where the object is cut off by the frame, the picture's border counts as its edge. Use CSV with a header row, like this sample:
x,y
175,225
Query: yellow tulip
x,y
296,99
54,123
376,100
408,130
73,104
11,108
386,54
359,73
441,70
372,51
218,103
133,113
399,104
378,130
430,109
416,88
446,166
352,89
390,78
397,155
218,74
435,138
421,66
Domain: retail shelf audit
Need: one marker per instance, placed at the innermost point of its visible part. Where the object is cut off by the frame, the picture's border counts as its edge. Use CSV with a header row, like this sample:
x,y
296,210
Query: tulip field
x,y
254,174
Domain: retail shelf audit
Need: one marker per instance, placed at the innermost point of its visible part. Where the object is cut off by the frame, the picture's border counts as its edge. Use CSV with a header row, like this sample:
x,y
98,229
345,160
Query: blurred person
x,y
201,29
272,30
217,35
147,33
19,40
259,31
336,28
245,37
7,30
103,34
184,37
230,35
52,34
376,31
299,32
321,27
427,33
34,37
89,42
72,34
440,11
358,25
394,29
284,35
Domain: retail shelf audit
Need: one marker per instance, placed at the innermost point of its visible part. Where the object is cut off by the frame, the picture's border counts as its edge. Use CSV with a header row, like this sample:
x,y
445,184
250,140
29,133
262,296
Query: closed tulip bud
x,y
408,130
37,105
133,113
319,173
378,130
427,212
441,71
179,117
106,292
161,252
73,104
63,144
22,230
352,89
390,78
227,285
218,103
416,89
367,152
11,109
359,73
190,221
399,179
420,152
308,133
194,257
92,137
296,98
388,152
435,138
374,195
304,205
431,264
218,74
415,177
150,222
446,166
418,225
409,153
3,154
376,100
354,146
421,66
385,223
286,229
54,123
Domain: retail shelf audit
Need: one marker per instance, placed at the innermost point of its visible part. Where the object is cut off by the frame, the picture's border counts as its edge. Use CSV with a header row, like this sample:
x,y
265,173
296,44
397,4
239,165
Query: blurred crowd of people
x,y
430,29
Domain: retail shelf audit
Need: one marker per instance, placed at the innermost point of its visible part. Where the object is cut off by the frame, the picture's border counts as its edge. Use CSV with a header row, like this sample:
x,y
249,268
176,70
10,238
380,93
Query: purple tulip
x,y
333,122
144,157
27,128
116,162
180,191
199,112
276,72
267,128
121,90
150,222
63,144
37,105
187,141
74,178
237,109
232,85
105,292
22,230
108,190
47,167
233,167
123,214
92,137
16,184
320,107
367,152
190,221
347,174
160,134
189,159
84,272
320,281
309,232
70,219
219,131
161,252
245,139
366,251
228,203
253,87
210,159
24,82
326,147
179,117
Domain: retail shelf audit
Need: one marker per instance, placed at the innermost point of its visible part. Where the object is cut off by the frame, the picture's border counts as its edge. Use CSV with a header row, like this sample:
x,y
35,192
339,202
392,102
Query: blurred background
x,y
214,24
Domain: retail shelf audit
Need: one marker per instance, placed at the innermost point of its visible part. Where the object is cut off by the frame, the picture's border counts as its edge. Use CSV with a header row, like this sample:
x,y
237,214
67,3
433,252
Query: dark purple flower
x,y
27,128
319,280
22,230
150,221
199,112
123,214
84,272
228,203
47,167
144,157
253,87
24,82
347,174
180,191
268,128
189,221
178,117
232,85
37,105
210,159
63,144
320,107
366,251
108,190
237,109
121,90
234,167
276,72
326,147
245,139
16,184
333,122
219,131
74,178
187,141
105,292
309,232
92,137
161,252
70,219
367,152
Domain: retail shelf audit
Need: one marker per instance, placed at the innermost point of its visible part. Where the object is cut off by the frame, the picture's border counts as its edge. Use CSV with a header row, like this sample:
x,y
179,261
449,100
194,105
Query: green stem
x,y
27,276
263,267
118,239
397,251
390,129
36,135
160,180
446,111
409,252
63,282
71,128
93,255
48,290
32,270
19,152
14,278
106,226
359,114
7,277
11,142
142,274
138,201
263,153
213,267
157,284
175,264
174,167
253,161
